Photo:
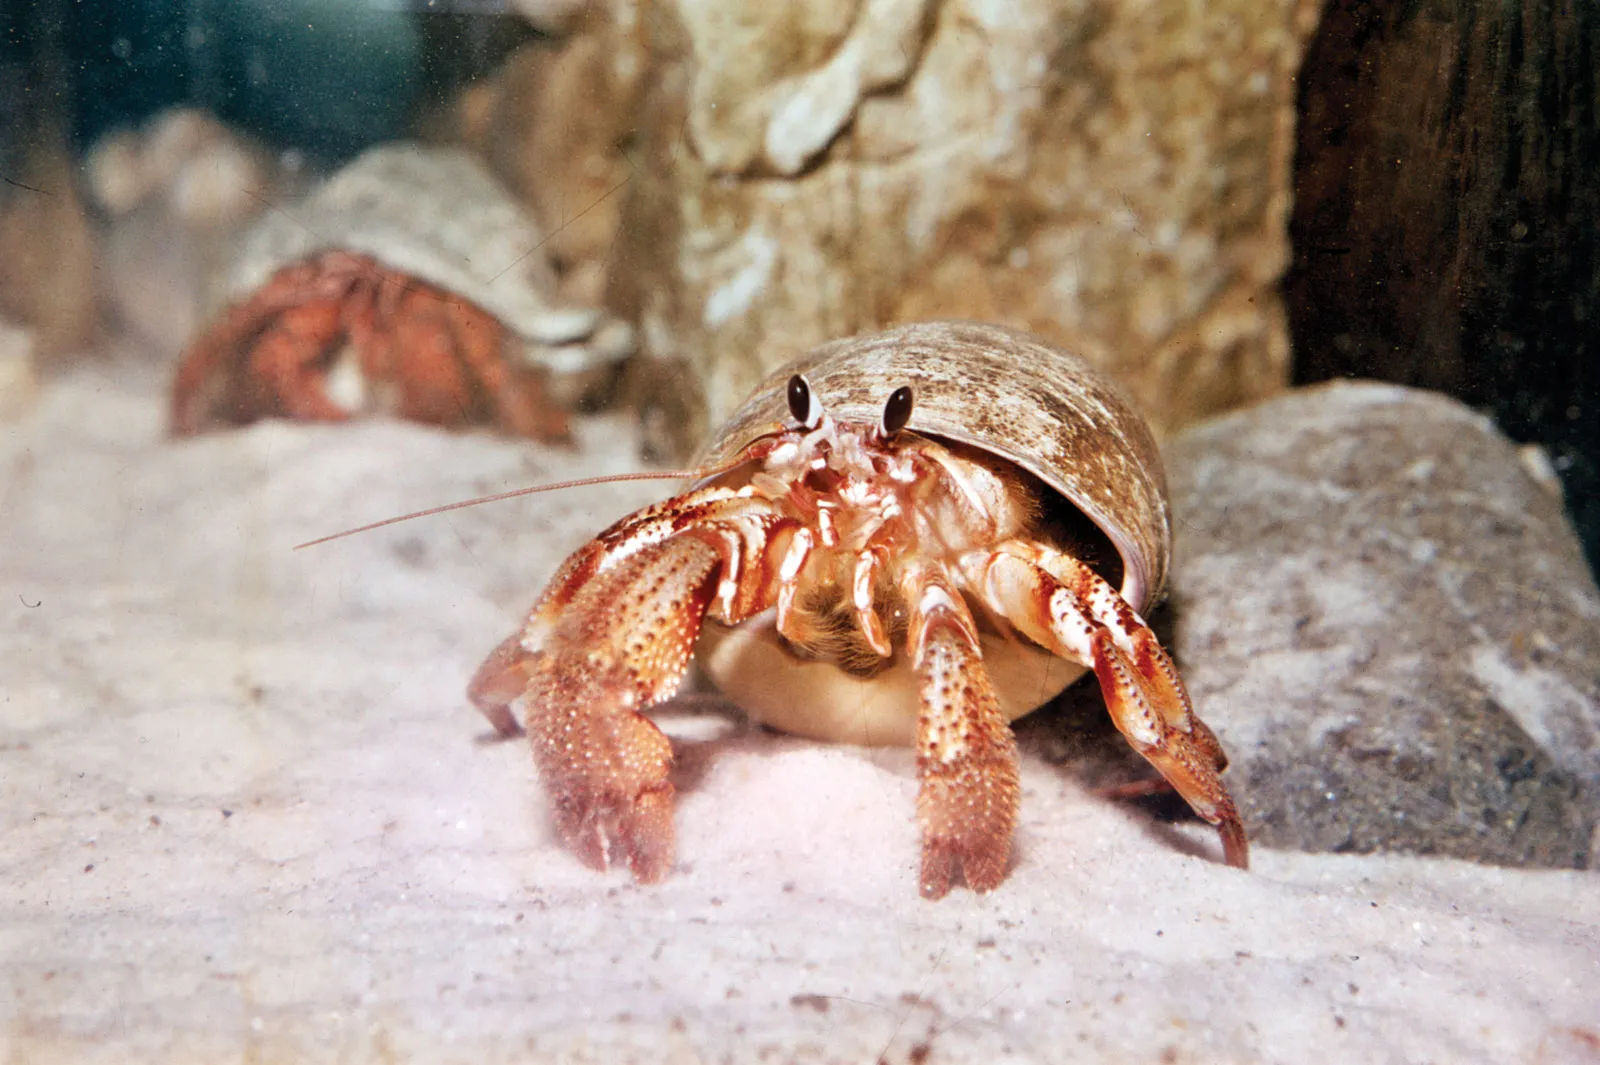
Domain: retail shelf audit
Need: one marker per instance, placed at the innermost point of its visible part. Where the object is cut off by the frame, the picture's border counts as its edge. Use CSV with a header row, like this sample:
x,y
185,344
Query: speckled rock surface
x,y
1387,619
249,817
1112,176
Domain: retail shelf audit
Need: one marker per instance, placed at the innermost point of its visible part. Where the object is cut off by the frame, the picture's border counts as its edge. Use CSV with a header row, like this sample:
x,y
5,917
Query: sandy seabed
x,y
249,815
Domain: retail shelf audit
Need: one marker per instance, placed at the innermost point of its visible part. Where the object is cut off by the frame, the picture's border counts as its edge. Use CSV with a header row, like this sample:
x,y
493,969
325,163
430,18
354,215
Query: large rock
x,y
1111,176
1384,614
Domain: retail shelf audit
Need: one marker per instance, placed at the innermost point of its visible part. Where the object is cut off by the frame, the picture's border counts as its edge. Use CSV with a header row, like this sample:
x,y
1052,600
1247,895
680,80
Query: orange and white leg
x,y
516,395
613,637
285,362
1066,607
205,386
259,358
426,373
968,791
299,315
215,381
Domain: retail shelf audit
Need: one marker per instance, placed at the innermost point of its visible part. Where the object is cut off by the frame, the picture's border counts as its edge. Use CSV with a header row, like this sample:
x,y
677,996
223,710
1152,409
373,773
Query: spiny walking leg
x,y
966,754
1065,606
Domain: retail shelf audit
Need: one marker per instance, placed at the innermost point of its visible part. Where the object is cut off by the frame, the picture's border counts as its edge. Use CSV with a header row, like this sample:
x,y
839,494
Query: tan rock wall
x,y
1112,175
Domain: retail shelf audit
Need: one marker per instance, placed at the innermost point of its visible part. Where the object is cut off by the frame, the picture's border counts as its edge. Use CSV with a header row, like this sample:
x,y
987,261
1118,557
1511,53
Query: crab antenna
x,y
648,475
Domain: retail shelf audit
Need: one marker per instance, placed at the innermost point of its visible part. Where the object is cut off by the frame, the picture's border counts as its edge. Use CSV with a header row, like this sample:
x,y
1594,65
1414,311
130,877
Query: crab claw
x,y
625,808
612,637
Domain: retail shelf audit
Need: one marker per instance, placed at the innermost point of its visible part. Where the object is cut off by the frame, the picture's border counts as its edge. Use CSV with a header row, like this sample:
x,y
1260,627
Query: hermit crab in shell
x,y
907,538
408,283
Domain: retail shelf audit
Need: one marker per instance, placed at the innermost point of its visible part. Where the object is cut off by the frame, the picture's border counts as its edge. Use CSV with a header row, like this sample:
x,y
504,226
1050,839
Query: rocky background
x,y
1113,177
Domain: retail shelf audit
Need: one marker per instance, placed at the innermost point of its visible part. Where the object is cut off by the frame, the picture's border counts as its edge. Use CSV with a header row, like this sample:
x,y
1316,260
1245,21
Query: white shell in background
x,y
440,216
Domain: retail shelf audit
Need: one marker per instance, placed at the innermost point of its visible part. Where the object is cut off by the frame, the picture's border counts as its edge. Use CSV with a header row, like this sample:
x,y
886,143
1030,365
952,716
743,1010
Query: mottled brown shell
x,y
1010,394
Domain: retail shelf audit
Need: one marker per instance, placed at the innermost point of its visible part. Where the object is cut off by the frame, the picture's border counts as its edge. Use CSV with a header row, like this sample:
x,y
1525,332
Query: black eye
x,y
897,412
803,406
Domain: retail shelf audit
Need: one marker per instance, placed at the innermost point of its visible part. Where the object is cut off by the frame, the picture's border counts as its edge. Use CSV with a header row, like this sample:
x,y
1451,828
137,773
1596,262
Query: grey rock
x,y
1383,613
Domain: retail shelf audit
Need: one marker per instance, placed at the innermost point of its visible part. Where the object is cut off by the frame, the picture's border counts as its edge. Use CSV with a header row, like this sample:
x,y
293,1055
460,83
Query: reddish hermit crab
x,y
409,283
892,544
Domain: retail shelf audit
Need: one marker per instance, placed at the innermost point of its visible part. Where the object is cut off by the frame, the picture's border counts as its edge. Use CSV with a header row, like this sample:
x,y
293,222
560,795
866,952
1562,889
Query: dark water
x,y
325,78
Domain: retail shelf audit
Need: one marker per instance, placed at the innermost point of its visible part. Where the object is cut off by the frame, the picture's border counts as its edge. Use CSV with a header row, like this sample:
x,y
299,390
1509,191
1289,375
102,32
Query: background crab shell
x,y
438,215
1004,392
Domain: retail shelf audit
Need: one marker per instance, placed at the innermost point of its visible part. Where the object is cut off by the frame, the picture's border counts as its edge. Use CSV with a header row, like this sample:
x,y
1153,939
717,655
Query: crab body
x,y
913,537
409,283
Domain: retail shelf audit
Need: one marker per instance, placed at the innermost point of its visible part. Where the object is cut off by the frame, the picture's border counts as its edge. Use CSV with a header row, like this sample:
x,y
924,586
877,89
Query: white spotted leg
x,y
968,791
1067,608
612,637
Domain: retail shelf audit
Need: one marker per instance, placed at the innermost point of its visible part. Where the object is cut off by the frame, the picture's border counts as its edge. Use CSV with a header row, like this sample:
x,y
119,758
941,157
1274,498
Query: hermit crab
x,y
913,537
409,283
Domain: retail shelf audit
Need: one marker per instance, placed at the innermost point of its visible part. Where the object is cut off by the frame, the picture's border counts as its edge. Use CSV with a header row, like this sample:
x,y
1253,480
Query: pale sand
x,y
249,816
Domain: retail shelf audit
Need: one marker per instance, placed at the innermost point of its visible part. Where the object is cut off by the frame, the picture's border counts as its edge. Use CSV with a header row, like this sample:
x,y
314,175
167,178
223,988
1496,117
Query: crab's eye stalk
x,y
896,412
803,404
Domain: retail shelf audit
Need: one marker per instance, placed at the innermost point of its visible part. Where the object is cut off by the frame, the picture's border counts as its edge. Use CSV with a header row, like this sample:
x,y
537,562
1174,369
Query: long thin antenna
x,y
650,475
